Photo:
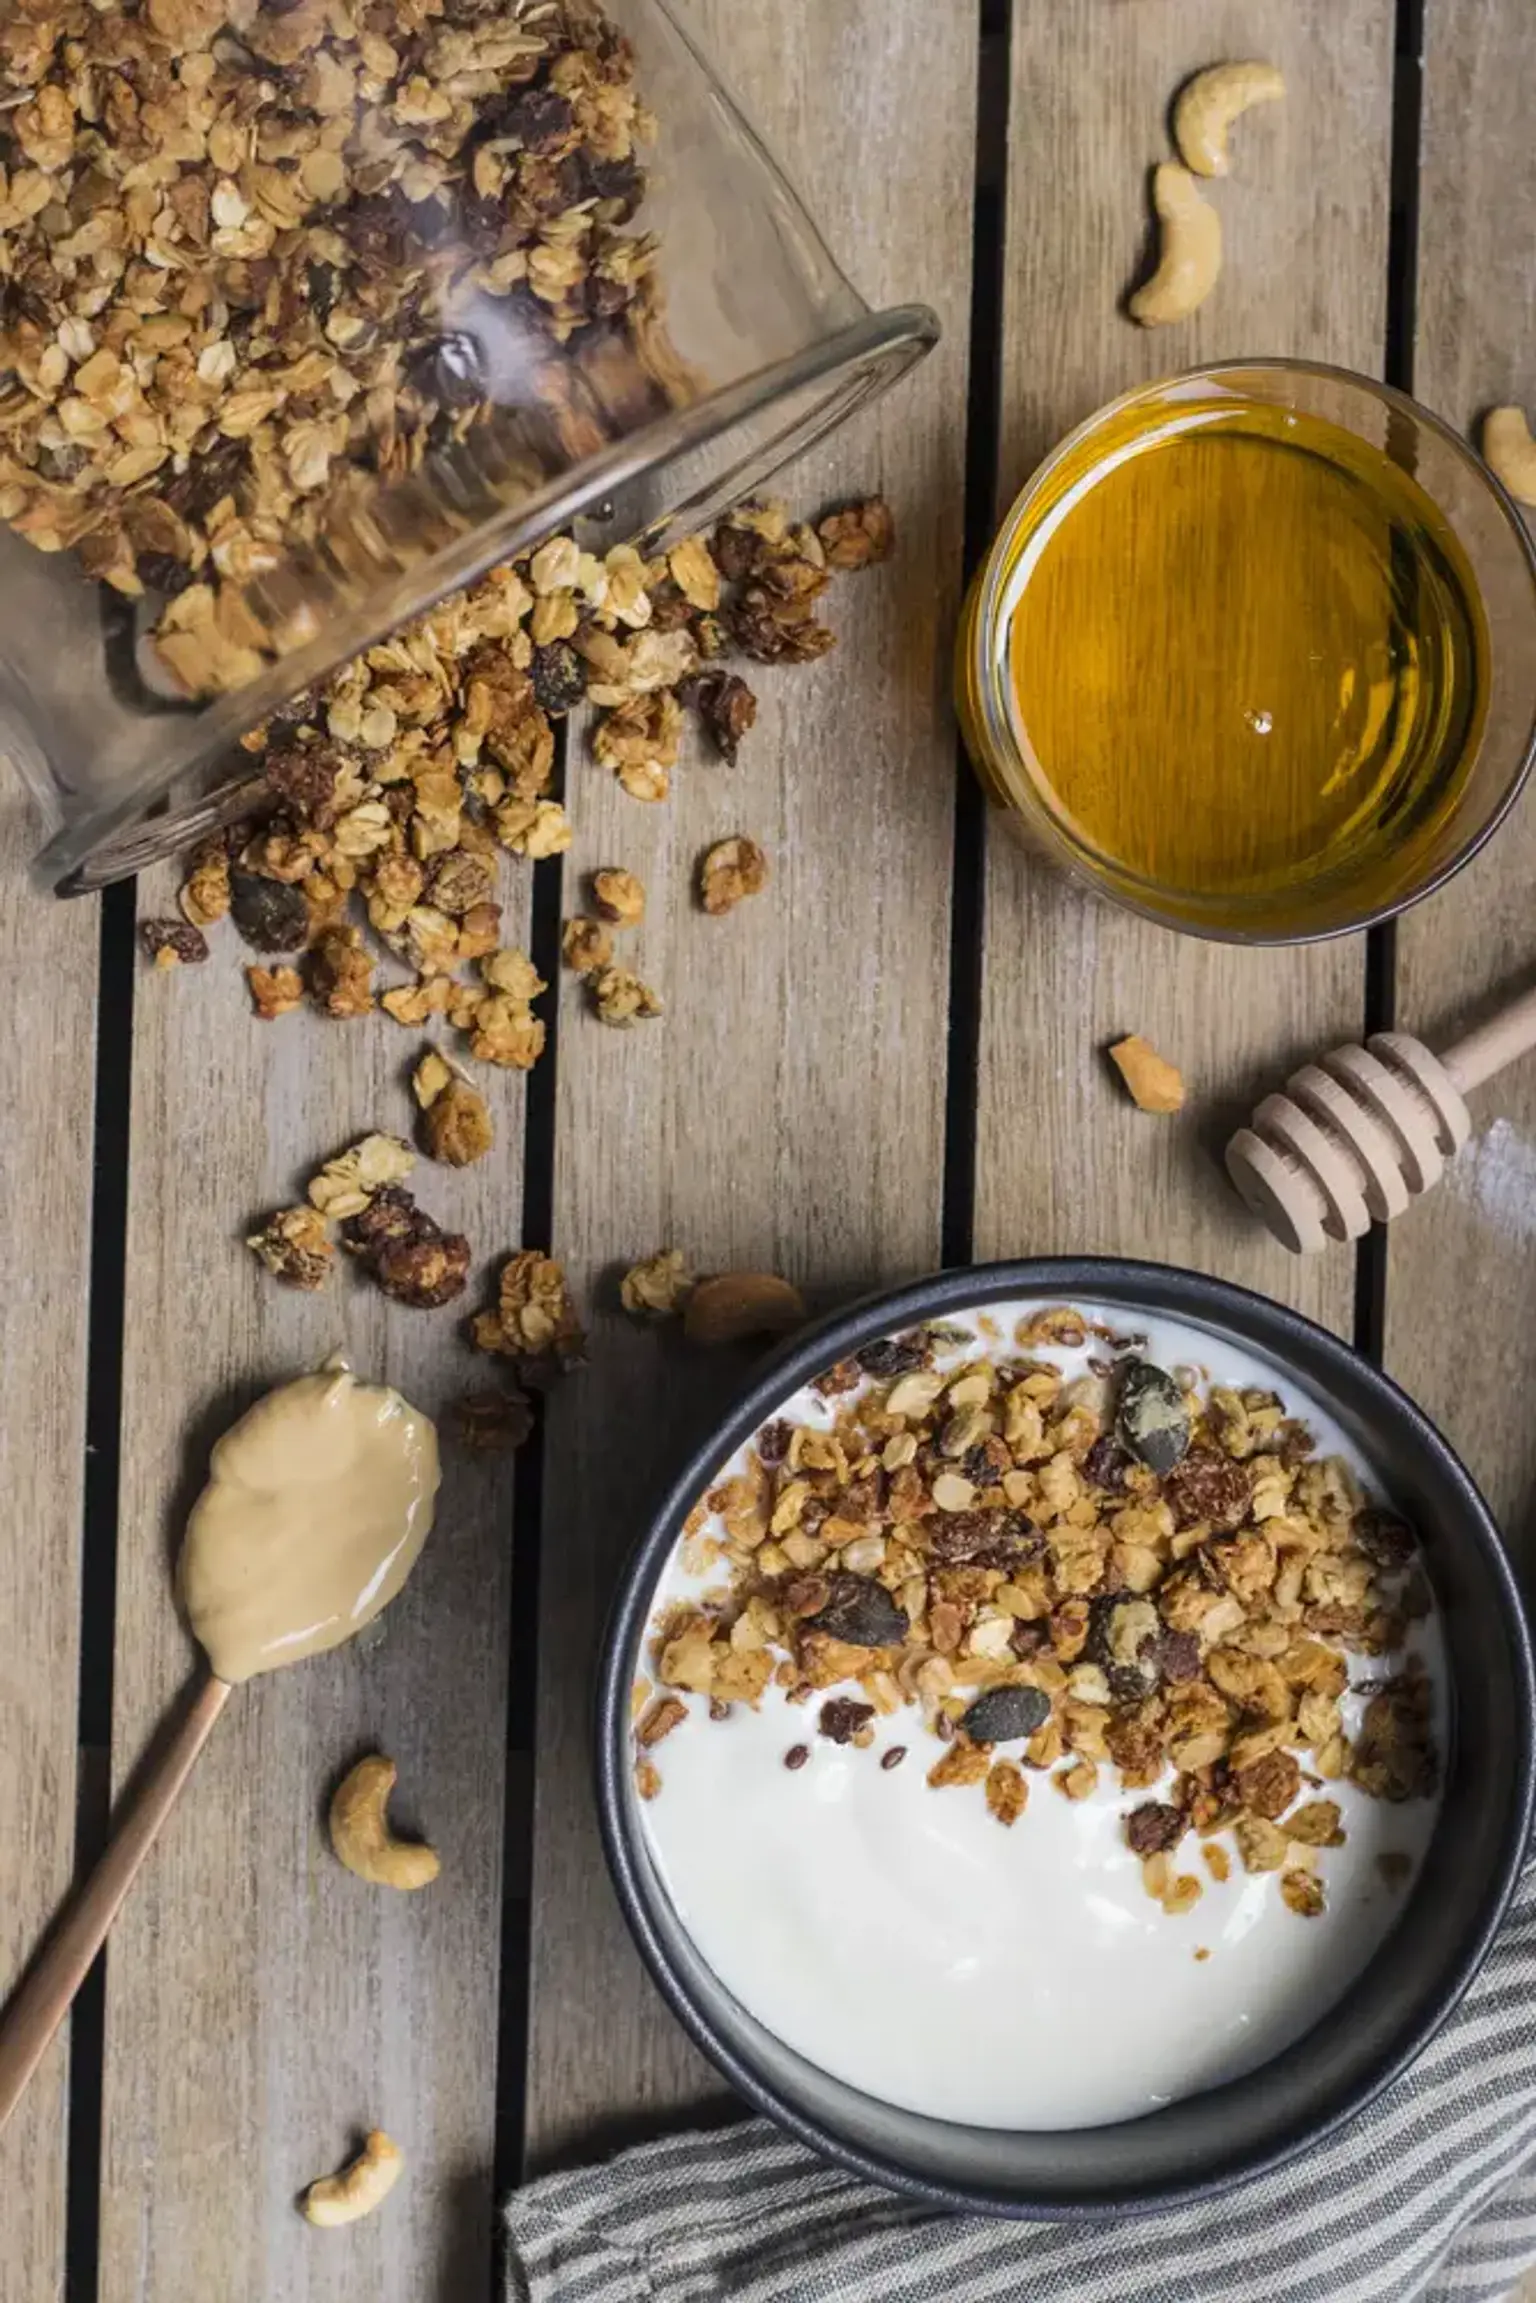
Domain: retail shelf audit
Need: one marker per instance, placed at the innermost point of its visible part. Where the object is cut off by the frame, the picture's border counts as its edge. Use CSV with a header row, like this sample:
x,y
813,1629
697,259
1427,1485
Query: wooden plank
x,y
47,1033
1467,1248
1064,1162
787,1110
263,2005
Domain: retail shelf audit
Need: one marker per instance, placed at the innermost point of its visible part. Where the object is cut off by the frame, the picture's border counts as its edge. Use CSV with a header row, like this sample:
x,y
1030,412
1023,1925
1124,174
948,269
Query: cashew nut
x,y
360,2186
1190,257
1510,452
738,1304
1154,1084
1207,108
361,1835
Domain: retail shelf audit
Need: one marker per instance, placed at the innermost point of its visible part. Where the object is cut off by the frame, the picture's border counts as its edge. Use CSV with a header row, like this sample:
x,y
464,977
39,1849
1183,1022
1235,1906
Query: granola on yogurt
x,y
1130,1575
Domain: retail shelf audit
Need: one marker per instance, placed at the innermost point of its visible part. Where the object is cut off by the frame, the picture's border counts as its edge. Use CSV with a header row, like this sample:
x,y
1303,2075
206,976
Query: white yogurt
x,y
902,1939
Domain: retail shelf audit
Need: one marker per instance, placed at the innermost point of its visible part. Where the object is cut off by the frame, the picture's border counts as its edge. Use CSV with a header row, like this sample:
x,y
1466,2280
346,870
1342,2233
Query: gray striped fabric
x,y
1427,2196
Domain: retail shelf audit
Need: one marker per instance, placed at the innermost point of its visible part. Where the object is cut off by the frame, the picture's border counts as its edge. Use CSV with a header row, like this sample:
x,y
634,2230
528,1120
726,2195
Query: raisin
x,y
986,1463
1029,1639
860,1612
1106,1464
1151,1418
391,1215
773,1441
619,180
736,551
893,1757
413,1259
895,1355
162,572
209,479
481,223
305,776
1208,1486
1386,1540
172,943
841,1718
540,119
796,1756
728,709
1006,1714
559,677
270,915
1154,1827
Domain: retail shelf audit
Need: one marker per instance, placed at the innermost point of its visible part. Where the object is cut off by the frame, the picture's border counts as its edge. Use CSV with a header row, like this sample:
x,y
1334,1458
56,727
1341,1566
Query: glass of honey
x,y
1255,653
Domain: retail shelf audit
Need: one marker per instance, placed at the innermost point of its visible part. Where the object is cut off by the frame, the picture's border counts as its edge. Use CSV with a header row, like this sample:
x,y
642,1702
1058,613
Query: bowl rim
x,y
1278,1329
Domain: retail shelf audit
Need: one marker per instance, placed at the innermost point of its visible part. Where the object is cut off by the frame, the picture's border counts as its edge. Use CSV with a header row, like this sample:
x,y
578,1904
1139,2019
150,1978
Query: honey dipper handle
x,y
43,1999
1511,1033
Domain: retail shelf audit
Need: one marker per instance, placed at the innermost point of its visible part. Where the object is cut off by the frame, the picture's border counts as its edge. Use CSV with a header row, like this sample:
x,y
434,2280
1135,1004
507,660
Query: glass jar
x,y
303,328
1278,680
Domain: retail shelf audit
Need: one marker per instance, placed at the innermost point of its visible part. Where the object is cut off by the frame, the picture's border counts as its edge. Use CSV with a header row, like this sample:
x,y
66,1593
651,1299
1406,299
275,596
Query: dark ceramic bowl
x,y
1206,2143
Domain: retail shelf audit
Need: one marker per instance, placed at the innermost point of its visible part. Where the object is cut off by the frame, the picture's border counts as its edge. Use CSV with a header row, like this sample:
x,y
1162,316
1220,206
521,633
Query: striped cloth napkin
x,y
1428,2195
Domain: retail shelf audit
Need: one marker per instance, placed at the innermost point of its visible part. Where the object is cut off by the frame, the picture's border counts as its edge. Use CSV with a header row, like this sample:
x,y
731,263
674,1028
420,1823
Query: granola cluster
x,y
533,1318
1119,1571
387,798
257,258
414,1259
455,1118
405,1250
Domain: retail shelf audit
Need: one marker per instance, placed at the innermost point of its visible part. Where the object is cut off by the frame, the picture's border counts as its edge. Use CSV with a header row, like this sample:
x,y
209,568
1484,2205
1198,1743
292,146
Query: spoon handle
x,y
42,2000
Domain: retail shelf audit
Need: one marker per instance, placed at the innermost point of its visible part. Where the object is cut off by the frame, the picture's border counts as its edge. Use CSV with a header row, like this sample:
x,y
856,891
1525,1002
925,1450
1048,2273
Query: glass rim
x,y
983,621
877,348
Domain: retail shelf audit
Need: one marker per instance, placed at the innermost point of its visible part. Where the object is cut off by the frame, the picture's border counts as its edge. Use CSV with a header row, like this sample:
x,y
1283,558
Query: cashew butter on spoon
x,y
317,1505
318,1502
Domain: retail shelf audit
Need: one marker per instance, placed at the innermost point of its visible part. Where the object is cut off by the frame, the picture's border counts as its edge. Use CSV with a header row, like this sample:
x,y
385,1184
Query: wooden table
x,y
890,1059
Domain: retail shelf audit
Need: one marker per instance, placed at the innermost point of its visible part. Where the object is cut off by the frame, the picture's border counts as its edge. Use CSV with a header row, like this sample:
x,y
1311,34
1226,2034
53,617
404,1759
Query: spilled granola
x,y
1132,1575
385,800
408,1254
455,1118
533,1318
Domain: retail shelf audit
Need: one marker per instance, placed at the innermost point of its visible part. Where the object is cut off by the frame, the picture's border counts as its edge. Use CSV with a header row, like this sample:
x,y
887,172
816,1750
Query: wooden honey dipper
x,y
1363,1131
